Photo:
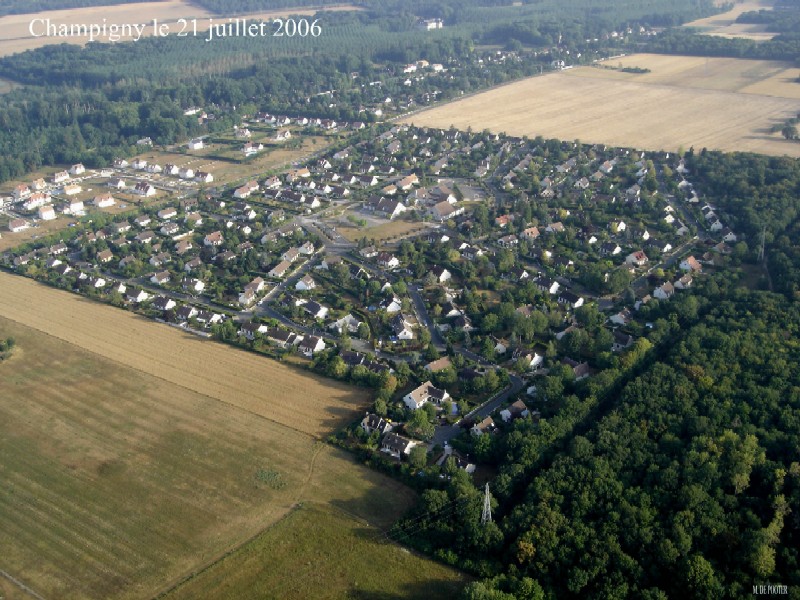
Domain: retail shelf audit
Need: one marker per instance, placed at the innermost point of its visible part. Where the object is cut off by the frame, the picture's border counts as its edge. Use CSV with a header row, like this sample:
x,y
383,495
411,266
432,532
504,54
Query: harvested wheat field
x,y
607,106
265,388
760,77
725,25
15,34
119,483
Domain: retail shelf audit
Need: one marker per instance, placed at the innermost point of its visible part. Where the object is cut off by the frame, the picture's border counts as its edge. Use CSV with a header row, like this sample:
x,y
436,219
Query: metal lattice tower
x,y
486,516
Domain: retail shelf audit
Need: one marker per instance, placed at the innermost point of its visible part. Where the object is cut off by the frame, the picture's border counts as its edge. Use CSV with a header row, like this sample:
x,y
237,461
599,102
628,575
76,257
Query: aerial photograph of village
x,y
399,299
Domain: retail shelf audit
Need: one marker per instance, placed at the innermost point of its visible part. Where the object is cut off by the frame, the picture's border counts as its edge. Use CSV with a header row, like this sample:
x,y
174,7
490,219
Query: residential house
x,y
280,270
690,264
371,423
508,241
47,213
387,260
104,201
163,303
423,394
441,274
531,233
213,239
402,327
347,323
290,255
570,299
487,425
547,285
665,291
637,259
136,295
396,445
315,310
306,283
623,317
60,177
144,189
684,283
517,410
311,345
160,278
621,341
391,305
579,369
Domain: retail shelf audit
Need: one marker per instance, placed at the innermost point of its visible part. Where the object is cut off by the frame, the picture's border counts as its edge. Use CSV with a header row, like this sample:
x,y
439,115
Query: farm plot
x,y
289,396
760,77
120,480
725,25
607,106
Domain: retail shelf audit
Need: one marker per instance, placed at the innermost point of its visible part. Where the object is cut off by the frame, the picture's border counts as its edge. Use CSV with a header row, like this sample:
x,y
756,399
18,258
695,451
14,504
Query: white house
x,y
103,201
423,394
310,345
195,144
305,284
47,213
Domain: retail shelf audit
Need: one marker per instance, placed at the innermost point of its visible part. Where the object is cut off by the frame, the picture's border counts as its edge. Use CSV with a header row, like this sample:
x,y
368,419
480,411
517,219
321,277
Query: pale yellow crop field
x,y
265,388
685,101
15,34
725,25
762,77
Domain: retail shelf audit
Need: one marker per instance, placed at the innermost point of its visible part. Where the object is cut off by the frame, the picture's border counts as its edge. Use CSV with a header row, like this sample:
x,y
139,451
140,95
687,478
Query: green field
x,y
302,563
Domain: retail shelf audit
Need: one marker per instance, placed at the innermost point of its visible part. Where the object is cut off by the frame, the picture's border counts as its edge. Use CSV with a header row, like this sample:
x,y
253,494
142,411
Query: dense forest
x,y
684,482
785,46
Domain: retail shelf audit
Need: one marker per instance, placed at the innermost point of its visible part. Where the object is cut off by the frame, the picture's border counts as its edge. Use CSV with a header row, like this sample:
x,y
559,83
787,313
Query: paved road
x,y
446,433
424,318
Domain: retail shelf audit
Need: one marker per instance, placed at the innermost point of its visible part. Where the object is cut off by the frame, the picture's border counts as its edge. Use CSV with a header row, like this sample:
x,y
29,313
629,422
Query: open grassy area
x,y
385,232
360,565
723,104
122,477
233,167
6,85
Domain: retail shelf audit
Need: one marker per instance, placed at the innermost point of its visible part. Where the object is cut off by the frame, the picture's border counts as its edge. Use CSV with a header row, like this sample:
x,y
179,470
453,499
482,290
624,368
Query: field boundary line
x,y
222,556
20,585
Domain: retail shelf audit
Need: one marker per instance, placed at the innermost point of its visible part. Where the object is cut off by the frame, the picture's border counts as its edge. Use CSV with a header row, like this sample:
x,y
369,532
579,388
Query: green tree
x,y
418,457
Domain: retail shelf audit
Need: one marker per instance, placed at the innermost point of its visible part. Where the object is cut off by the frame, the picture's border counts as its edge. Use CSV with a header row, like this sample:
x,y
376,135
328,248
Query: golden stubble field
x,y
15,33
264,388
121,478
723,104
725,25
